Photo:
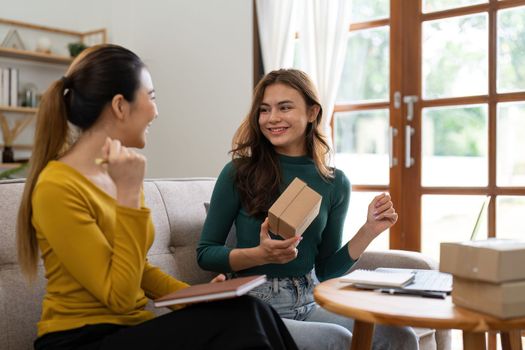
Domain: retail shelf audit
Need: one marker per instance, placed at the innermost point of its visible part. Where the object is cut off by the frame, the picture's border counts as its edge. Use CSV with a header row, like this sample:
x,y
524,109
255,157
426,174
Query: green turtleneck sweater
x,y
321,244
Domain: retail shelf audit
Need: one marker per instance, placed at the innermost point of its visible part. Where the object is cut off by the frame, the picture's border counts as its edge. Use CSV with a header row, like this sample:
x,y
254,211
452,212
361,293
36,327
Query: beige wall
x,y
200,55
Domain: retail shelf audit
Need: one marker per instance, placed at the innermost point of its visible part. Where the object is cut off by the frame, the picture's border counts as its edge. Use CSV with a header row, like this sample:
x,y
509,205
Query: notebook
x,y
372,279
211,291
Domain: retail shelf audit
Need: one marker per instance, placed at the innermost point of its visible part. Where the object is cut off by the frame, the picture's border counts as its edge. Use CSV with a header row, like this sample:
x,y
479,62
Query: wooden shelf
x,y
23,110
47,57
7,166
16,146
34,56
13,120
13,170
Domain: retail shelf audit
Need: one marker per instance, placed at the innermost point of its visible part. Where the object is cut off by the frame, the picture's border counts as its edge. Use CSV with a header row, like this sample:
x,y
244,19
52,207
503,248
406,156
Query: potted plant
x,y
9,173
76,48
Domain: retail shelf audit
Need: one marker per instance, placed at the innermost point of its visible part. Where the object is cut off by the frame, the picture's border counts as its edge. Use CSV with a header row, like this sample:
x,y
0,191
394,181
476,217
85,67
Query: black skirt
x,y
239,323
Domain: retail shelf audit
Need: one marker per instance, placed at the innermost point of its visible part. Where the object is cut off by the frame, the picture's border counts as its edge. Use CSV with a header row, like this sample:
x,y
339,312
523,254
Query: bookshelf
x,y
34,63
22,110
34,56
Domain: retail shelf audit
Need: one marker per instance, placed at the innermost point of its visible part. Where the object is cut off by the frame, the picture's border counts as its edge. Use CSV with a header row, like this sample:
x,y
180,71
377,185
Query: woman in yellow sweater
x,y
89,222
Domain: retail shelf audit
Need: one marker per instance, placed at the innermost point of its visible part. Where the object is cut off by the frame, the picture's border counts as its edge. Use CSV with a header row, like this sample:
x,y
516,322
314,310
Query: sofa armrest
x,y
371,260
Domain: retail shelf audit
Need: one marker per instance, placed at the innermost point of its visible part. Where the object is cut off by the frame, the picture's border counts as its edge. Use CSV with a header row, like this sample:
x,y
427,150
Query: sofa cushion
x,y
10,197
20,305
231,240
182,202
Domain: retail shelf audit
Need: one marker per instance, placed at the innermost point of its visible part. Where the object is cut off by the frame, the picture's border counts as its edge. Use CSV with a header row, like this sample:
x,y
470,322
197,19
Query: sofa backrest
x,y
178,214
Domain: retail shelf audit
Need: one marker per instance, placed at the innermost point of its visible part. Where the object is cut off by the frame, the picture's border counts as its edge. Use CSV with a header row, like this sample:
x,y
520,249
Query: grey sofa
x,y
178,214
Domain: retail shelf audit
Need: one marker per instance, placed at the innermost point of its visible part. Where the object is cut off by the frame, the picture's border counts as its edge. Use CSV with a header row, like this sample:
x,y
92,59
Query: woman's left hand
x,y
381,214
218,278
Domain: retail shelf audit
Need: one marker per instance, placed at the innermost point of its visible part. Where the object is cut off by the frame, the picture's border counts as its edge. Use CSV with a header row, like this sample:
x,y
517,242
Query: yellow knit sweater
x,y
94,254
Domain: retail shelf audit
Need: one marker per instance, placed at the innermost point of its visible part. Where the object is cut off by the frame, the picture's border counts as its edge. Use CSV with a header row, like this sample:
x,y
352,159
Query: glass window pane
x,y
510,144
361,146
356,217
511,50
509,217
455,146
439,5
450,218
455,59
365,74
367,10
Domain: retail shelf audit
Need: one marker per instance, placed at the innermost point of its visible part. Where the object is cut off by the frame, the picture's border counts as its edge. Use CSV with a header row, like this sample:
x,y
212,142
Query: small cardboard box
x,y
294,210
490,260
504,300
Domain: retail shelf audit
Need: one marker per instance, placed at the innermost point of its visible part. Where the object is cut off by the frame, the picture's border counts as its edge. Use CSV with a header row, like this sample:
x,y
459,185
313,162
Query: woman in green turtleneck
x,y
279,140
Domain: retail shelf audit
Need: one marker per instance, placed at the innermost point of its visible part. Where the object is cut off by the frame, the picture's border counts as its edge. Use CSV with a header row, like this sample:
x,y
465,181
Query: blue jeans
x,y
313,327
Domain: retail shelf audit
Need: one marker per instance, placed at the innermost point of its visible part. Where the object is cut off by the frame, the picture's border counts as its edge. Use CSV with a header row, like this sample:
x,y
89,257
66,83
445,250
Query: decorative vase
x,y
43,44
8,156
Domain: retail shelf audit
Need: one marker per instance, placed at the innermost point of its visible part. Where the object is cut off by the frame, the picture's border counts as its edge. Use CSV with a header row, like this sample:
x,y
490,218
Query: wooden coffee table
x,y
368,308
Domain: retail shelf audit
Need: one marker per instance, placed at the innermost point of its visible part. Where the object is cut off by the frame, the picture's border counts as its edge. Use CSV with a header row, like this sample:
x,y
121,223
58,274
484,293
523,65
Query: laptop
x,y
425,281
432,283
481,214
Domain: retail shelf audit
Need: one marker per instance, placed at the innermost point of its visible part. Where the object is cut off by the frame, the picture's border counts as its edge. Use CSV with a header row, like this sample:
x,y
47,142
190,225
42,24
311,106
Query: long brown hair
x,y
257,169
93,79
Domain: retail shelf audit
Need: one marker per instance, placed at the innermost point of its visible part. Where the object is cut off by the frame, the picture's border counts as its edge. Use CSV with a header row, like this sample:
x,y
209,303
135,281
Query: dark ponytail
x,y
93,79
50,137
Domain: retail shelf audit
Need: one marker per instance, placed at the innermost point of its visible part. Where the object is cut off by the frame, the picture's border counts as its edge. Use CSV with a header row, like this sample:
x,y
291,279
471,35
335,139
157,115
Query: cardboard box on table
x,y
503,300
294,210
490,260
488,275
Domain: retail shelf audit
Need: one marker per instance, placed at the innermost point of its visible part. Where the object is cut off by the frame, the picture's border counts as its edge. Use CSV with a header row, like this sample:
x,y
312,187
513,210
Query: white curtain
x,y
277,29
323,33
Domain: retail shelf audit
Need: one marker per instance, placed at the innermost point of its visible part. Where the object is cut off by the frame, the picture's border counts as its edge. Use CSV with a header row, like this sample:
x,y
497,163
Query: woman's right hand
x,y
276,251
127,169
